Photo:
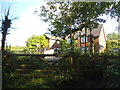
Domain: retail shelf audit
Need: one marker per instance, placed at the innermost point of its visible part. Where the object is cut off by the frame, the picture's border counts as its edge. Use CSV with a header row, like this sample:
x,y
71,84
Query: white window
x,y
83,39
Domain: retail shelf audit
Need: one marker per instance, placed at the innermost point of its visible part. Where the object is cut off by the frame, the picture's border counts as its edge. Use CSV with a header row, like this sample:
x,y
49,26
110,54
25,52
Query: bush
x,y
112,73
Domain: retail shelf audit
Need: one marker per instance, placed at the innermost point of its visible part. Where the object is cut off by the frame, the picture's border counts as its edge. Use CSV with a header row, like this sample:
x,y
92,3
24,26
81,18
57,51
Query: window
x,y
69,40
83,49
83,39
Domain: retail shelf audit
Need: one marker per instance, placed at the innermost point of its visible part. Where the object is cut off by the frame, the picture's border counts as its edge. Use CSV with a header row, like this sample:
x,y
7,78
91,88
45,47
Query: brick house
x,y
99,39
53,41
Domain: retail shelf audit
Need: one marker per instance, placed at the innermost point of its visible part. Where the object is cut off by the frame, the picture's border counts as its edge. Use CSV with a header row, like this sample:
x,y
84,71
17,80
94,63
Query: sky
x,y
29,24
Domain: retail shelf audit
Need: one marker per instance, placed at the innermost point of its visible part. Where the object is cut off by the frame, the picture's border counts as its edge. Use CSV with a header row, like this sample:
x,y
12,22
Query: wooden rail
x,y
41,55
37,70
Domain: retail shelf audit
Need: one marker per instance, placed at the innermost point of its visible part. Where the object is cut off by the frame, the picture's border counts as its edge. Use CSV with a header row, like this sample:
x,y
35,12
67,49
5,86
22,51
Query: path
x,y
51,58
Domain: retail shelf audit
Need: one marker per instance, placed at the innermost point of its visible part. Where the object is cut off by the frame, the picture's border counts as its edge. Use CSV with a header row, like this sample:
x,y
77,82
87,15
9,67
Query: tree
x,y
113,36
113,41
112,44
114,11
36,42
68,17
64,45
6,24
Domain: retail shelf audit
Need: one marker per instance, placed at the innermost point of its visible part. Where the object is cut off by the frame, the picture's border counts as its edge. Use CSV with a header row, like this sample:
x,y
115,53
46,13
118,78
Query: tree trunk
x,y
85,40
3,42
3,45
71,41
71,56
80,39
5,25
91,42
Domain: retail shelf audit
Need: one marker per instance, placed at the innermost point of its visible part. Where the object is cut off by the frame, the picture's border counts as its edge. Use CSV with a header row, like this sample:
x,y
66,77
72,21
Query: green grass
x,y
17,75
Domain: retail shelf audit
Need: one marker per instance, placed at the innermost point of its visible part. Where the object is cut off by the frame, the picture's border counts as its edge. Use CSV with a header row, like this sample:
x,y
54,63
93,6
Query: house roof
x,y
95,32
52,37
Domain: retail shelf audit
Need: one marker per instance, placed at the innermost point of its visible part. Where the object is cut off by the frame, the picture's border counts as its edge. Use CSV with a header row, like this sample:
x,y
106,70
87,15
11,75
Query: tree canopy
x,y
113,36
114,11
69,17
37,42
111,44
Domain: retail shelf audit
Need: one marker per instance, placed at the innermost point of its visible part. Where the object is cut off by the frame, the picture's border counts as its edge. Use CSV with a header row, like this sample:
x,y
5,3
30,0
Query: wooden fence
x,y
55,66
42,62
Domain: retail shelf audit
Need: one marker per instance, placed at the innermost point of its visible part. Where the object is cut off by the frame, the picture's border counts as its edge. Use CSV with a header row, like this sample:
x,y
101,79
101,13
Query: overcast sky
x,y
29,24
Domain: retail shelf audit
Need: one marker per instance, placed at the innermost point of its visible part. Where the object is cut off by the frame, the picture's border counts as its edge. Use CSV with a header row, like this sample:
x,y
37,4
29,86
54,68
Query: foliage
x,y
111,44
66,47
113,36
112,73
89,71
17,49
69,17
36,42
115,11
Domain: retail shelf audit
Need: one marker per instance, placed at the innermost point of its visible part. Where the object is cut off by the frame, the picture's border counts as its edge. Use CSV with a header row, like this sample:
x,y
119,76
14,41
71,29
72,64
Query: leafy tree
x,y
113,36
110,44
65,45
68,17
114,11
36,42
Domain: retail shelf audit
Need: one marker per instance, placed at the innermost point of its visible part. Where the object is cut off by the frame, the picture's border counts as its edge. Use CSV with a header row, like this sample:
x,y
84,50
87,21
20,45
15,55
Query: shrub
x,y
112,73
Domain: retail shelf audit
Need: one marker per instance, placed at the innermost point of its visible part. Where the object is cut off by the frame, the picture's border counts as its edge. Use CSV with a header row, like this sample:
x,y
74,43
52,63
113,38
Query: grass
x,y
17,74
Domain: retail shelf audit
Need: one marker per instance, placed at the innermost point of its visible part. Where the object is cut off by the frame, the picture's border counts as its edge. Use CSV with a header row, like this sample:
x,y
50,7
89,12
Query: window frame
x,y
83,41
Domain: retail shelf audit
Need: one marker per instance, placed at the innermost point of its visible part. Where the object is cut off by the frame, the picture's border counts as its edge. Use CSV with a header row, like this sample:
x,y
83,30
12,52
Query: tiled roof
x,y
95,32
52,37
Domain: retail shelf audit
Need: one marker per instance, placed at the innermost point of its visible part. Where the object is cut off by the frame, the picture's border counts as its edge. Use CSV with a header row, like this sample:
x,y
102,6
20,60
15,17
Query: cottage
x,y
99,39
53,41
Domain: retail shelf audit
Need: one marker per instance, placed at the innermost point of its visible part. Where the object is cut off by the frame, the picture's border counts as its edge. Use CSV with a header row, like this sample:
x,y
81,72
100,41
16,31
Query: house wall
x,y
51,42
55,45
78,42
95,43
82,43
102,40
